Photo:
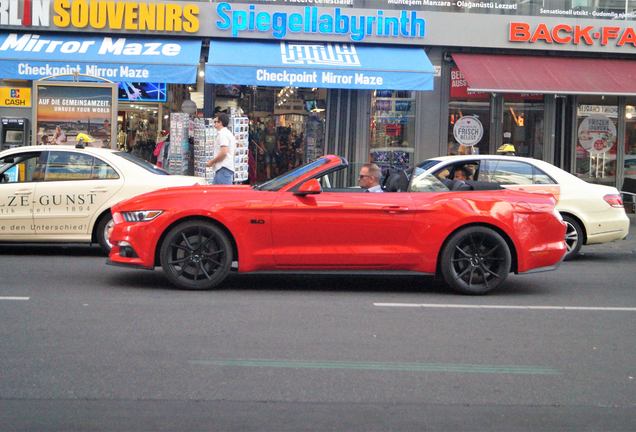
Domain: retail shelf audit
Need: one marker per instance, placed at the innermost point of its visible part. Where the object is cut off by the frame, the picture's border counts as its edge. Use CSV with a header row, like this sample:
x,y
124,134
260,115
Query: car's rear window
x,y
142,163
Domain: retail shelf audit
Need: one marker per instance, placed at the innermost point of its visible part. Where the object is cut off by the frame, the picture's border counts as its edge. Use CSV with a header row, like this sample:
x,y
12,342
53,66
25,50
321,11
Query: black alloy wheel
x,y
475,260
196,255
573,237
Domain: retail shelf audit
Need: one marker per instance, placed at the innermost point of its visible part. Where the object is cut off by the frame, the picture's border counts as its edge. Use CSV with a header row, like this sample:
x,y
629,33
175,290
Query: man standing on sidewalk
x,y
224,148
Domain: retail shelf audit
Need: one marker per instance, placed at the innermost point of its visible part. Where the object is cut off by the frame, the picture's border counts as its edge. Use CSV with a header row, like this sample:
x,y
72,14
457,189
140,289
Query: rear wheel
x,y
102,230
196,255
475,260
573,237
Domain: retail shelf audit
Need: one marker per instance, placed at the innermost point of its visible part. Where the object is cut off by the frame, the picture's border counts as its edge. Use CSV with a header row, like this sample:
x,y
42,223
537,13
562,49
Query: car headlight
x,y
140,215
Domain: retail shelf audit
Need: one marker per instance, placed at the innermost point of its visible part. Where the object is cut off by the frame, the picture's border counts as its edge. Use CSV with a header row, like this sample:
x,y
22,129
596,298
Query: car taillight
x,y
614,200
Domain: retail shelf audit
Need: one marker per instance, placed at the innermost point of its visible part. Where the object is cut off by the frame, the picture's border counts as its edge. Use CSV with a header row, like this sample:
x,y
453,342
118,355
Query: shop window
x,y
392,129
523,124
468,118
596,139
630,139
286,127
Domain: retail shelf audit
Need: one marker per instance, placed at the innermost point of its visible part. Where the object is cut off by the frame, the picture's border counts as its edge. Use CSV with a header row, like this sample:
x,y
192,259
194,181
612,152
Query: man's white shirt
x,y
225,138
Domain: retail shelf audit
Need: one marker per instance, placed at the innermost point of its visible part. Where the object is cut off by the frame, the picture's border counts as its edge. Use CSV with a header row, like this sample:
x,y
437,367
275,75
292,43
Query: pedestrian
x,y
224,148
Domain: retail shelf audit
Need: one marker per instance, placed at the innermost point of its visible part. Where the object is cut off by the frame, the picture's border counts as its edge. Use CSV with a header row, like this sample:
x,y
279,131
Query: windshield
x,y
290,176
142,163
428,164
426,182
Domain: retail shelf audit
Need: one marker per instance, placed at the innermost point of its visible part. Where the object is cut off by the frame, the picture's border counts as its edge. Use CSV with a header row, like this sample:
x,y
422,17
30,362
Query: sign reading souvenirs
x,y
34,56
101,14
323,65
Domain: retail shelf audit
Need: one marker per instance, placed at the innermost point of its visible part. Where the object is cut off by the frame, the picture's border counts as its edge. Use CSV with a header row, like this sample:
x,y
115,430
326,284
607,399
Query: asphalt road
x,y
89,347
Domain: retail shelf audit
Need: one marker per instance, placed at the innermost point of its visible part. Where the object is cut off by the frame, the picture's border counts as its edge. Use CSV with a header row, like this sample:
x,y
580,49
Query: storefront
x,y
286,87
554,82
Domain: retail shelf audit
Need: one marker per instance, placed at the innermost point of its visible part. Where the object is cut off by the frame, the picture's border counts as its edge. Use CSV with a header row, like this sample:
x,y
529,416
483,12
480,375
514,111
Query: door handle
x,y
23,192
395,209
99,189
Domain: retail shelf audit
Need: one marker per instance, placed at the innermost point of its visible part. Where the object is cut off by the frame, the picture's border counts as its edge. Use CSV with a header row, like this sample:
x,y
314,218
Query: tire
x,y
101,232
573,237
475,260
196,255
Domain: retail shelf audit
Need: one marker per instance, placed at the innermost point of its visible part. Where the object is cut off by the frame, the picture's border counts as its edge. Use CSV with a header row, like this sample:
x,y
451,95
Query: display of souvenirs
x,y
314,137
204,136
179,152
239,126
387,157
392,118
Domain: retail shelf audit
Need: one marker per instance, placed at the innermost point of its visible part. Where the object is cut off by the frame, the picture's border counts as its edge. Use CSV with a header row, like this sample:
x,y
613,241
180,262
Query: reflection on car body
x,y
593,213
313,219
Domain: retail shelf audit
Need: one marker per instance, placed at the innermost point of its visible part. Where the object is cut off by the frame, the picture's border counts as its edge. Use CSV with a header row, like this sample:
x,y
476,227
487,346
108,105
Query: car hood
x,y
226,191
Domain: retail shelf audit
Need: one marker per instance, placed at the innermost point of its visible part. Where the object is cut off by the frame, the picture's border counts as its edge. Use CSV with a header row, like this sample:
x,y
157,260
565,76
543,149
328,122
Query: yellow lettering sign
x,y
126,15
15,97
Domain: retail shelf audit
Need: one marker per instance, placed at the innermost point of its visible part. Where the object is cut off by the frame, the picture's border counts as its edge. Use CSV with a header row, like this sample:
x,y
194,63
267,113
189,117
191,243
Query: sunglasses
x,y
363,176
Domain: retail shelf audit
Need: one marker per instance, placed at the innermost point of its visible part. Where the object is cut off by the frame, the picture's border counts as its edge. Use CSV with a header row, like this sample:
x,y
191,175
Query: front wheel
x,y
196,255
475,260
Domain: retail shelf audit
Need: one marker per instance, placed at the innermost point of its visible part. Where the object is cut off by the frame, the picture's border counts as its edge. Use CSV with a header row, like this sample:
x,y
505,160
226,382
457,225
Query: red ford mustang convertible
x,y
313,219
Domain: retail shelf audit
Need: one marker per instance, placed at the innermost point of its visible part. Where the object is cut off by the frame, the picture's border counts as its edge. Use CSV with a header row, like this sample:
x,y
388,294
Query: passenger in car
x,y
462,173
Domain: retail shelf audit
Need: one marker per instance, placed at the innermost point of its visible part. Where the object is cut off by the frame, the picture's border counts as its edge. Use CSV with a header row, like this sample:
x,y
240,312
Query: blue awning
x,y
324,65
34,56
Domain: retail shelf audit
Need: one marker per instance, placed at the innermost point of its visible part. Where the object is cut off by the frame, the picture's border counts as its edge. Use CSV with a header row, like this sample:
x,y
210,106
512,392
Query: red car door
x,y
343,230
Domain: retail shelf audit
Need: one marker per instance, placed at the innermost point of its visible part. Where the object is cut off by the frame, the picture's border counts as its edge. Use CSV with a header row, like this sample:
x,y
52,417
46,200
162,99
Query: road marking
x,y
469,306
379,366
15,298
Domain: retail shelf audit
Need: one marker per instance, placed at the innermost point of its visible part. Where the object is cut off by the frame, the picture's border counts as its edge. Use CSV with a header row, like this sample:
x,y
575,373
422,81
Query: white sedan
x,y
593,213
55,193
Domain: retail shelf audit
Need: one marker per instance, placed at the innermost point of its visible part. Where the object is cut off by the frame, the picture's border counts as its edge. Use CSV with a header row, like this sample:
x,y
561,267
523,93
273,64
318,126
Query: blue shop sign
x,y
34,56
324,65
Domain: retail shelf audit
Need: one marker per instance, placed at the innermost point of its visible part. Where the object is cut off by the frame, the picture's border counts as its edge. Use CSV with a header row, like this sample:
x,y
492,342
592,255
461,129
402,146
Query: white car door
x,y
17,185
76,186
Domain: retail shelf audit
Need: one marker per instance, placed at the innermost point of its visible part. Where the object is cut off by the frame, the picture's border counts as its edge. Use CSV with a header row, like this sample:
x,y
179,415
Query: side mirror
x,y
4,178
310,187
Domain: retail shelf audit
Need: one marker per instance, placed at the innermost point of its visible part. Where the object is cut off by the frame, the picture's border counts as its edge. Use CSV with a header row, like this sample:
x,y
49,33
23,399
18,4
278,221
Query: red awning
x,y
553,75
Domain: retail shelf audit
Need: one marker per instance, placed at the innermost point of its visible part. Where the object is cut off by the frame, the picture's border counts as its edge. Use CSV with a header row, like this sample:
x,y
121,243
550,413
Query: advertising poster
x,y
65,110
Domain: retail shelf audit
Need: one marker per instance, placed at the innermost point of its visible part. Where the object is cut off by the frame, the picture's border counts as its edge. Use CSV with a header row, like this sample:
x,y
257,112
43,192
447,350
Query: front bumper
x,y
134,245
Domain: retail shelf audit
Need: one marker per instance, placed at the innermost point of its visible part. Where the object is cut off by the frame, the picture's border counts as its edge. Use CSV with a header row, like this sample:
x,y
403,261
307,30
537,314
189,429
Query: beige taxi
x,y
593,213
58,193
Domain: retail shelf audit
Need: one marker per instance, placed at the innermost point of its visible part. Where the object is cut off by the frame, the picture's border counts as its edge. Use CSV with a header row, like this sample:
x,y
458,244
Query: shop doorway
x,y
286,125
138,126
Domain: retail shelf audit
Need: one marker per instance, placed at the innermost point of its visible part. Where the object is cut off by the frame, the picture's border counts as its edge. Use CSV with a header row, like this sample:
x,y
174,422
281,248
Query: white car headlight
x,y
140,215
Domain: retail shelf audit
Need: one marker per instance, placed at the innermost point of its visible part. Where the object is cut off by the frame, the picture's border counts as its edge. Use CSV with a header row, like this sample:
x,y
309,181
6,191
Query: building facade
x,y
391,81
